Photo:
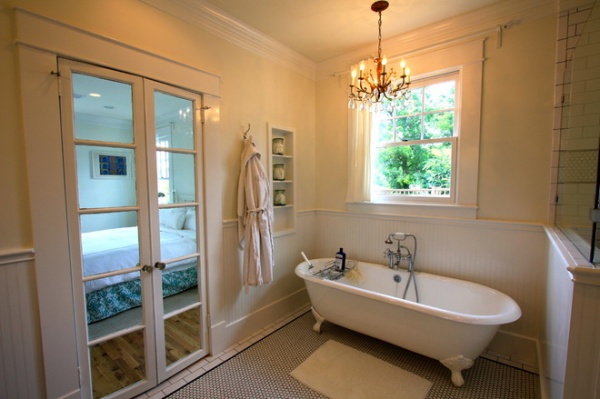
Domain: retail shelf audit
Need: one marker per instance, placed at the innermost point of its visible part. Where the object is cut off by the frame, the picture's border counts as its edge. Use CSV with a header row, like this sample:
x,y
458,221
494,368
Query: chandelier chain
x,y
379,38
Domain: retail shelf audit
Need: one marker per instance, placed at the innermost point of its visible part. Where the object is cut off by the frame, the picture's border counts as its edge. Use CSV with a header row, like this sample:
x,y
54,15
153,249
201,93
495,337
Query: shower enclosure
x,y
578,180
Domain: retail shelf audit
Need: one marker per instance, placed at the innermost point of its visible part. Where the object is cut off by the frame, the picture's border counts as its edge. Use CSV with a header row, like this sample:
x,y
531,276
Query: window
x,y
414,143
427,129
163,166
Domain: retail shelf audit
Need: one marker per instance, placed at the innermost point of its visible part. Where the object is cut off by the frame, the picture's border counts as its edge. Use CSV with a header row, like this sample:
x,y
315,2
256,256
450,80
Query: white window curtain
x,y
359,156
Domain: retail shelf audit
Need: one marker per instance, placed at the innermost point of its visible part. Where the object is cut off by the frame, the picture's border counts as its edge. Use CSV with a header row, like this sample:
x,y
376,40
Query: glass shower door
x,y
578,182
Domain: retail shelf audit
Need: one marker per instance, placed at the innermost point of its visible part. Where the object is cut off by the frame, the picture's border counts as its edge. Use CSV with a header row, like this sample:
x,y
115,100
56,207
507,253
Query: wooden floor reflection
x,y
120,362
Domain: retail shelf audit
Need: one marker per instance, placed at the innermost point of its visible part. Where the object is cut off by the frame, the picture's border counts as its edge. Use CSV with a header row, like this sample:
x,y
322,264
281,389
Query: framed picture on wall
x,y
111,165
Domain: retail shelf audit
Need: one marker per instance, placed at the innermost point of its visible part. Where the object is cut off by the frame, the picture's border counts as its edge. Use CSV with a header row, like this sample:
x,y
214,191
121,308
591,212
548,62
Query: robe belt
x,y
256,210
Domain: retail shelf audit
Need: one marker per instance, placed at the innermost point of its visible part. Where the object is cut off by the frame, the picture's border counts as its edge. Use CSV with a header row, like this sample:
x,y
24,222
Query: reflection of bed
x,y
116,249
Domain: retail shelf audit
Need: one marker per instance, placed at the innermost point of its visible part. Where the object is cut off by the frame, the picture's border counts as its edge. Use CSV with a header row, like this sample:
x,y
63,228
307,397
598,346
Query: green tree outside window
x,y
413,142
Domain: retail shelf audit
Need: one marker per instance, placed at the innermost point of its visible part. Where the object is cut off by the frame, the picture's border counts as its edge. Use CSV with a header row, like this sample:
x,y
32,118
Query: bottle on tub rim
x,y
340,260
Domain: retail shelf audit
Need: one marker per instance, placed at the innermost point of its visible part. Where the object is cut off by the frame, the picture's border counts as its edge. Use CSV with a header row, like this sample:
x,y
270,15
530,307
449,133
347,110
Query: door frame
x,y
144,128
40,42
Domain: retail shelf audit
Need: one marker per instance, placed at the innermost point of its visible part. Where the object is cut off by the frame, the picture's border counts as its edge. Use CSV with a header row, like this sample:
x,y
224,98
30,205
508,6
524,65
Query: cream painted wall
x,y
332,143
14,212
254,91
516,134
516,131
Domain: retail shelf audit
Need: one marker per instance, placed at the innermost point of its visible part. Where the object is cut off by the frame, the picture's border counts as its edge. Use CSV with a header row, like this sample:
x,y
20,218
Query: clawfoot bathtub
x,y
453,322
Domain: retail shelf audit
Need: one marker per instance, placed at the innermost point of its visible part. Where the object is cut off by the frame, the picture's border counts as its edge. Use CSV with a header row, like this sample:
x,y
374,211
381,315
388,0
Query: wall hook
x,y
246,132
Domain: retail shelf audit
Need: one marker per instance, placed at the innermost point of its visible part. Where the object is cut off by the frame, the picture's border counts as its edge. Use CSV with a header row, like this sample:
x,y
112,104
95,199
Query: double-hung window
x,y
421,156
414,143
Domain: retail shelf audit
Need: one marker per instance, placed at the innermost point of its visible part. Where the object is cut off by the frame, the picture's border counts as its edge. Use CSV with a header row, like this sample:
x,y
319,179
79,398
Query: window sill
x,y
416,209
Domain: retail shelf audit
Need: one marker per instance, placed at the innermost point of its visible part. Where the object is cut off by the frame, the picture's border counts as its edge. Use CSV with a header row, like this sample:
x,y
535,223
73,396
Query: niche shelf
x,y
281,172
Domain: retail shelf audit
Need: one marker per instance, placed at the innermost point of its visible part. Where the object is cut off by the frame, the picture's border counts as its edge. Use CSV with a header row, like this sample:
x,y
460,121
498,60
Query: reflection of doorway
x,y
136,257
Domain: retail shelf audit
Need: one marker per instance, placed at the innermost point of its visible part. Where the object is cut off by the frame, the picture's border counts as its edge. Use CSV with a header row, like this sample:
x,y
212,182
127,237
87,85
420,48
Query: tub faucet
x,y
393,259
402,252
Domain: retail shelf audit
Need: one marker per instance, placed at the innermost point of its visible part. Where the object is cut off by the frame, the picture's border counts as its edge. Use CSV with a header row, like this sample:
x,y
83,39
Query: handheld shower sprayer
x,y
397,237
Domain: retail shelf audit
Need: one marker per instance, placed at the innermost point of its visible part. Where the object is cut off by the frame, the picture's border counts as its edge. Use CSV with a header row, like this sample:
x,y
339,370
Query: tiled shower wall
x,y
577,116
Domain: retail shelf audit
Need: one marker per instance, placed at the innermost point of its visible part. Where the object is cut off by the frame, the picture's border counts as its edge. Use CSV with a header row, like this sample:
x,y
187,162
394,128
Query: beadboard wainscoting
x,y
582,370
509,257
569,340
20,348
533,264
248,310
554,335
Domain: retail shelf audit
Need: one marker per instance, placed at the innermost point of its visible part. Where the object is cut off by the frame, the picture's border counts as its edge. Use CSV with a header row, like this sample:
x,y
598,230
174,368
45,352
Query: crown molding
x,y
479,23
206,16
100,120
565,5
483,22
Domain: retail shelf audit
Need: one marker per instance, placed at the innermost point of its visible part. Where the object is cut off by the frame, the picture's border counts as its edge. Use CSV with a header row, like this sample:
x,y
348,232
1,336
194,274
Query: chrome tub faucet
x,y
402,252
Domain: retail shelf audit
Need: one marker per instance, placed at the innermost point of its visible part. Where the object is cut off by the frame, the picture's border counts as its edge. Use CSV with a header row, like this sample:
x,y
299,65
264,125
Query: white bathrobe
x,y
255,218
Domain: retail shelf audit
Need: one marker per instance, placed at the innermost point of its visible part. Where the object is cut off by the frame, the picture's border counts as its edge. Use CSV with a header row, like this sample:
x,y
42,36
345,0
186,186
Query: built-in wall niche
x,y
281,172
578,180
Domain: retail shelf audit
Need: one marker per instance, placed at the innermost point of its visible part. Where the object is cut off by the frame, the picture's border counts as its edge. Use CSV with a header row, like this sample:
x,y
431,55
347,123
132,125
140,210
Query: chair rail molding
x,y
16,255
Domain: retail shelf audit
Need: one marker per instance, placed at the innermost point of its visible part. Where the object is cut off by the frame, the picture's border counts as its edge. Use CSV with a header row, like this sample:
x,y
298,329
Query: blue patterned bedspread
x,y
117,298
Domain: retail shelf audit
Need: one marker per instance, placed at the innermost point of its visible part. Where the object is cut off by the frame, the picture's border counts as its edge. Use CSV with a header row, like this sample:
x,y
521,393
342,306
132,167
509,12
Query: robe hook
x,y
246,132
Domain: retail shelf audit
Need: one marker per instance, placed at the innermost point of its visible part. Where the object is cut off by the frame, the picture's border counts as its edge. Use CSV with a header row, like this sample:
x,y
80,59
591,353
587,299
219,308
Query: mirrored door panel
x,y
131,164
176,127
105,138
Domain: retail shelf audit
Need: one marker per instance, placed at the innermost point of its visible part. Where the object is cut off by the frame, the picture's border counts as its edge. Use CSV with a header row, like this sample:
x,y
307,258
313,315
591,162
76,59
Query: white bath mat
x,y
338,371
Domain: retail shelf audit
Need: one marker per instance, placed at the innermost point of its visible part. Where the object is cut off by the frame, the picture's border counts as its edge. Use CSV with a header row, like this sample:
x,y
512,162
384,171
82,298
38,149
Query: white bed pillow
x,y
172,218
190,220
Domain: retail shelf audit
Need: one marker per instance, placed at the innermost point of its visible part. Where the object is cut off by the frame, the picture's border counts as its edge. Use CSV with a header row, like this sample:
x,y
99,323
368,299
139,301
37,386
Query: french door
x,y
133,170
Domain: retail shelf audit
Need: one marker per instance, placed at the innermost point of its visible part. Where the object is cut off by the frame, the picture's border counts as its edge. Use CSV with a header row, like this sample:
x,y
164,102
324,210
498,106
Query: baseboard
x,y
76,394
544,391
514,350
225,334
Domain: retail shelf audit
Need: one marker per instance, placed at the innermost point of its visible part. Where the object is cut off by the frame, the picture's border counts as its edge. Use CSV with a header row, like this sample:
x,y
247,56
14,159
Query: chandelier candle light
x,y
368,90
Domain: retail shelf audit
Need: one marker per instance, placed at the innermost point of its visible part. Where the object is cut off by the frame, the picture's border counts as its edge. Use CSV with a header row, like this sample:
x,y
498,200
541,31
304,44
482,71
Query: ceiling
x,y
320,30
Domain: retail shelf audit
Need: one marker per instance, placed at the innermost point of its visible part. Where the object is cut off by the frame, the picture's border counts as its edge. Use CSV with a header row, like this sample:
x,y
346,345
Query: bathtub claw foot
x,y
456,365
320,319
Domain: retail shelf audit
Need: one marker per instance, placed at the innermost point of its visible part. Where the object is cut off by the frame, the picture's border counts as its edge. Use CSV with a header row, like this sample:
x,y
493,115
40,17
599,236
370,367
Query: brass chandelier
x,y
368,90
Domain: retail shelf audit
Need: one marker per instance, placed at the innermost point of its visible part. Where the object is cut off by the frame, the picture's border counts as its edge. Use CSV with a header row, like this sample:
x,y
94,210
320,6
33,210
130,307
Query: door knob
x,y
160,265
147,268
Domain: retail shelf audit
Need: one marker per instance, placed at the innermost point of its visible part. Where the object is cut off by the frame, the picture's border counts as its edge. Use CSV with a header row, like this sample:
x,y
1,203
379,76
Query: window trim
x,y
466,58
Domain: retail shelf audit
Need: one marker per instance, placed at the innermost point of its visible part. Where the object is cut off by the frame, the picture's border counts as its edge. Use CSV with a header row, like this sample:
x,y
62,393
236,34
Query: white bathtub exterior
x,y
454,319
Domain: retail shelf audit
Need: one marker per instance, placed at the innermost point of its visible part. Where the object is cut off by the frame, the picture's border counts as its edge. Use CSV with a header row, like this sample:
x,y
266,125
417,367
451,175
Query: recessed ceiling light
x,y
95,95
